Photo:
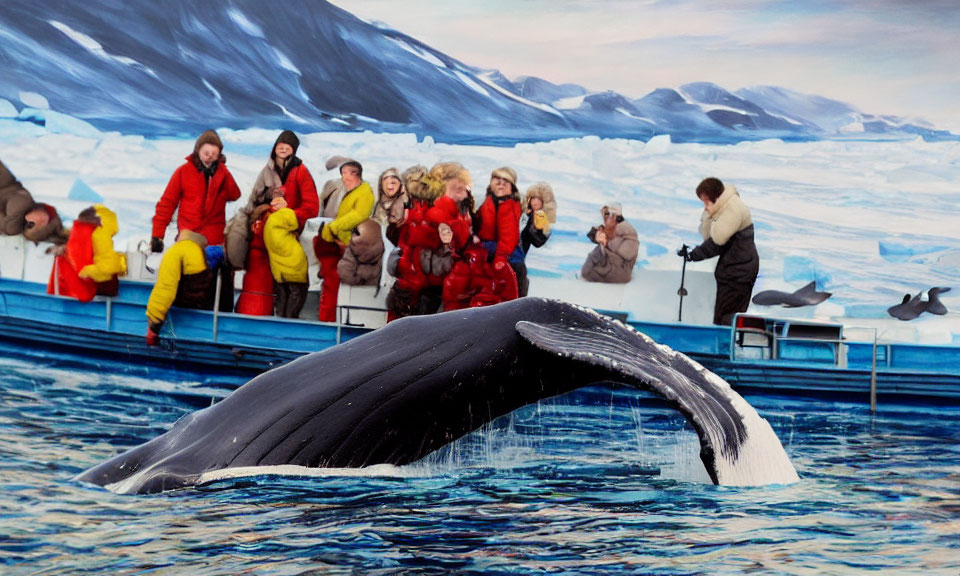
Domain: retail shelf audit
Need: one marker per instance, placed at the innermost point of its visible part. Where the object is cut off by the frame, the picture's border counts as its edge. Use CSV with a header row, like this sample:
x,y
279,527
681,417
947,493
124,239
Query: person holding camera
x,y
617,248
727,230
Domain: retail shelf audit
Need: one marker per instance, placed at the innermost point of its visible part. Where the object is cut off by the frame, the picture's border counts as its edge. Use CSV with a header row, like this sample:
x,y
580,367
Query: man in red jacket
x,y
200,188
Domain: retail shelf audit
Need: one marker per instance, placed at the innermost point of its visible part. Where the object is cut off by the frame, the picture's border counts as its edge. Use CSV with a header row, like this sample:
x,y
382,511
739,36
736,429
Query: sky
x,y
882,56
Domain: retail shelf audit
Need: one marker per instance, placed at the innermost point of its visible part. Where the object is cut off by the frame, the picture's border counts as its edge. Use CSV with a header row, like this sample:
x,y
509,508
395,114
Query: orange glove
x,y
153,339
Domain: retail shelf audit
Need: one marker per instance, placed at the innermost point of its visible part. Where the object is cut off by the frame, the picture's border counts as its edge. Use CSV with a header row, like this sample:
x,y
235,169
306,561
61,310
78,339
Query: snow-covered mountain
x,y
174,67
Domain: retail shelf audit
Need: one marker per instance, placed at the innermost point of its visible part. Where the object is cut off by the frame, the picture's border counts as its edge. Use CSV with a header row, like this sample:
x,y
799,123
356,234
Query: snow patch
x,y
97,49
34,100
244,23
290,114
7,109
485,78
571,103
214,91
628,114
422,54
285,62
469,82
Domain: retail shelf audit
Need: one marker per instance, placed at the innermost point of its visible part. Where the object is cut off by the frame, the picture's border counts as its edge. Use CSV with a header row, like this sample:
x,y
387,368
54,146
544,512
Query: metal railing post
x,y
873,375
216,306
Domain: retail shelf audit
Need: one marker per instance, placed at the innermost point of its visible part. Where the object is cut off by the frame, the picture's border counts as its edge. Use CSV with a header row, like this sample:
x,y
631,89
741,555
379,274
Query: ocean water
x,y
599,481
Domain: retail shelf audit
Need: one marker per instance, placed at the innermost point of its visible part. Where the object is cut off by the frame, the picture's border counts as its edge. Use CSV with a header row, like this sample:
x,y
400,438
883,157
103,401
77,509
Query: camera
x,y
592,234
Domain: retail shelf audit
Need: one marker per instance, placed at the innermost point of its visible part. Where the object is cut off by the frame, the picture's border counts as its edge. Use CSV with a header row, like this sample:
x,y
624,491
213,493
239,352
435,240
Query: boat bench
x,y
808,341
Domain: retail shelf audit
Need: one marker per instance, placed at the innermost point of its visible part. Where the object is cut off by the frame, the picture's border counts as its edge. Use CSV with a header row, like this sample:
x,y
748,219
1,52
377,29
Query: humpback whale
x,y
806,296
419,383
913,306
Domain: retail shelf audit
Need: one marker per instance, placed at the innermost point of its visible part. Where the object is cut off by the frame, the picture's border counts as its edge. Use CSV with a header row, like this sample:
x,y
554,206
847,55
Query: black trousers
x,y
226,288
732,297
290,298
523,284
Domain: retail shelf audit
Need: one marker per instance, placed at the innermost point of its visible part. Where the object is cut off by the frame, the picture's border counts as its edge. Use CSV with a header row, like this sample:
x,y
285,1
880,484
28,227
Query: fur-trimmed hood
x,y
544,192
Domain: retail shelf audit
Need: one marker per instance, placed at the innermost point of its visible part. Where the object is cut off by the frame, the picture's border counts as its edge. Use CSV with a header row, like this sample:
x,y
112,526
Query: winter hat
x,y
337,161
286,137
208,137
614,207
213,255
507,173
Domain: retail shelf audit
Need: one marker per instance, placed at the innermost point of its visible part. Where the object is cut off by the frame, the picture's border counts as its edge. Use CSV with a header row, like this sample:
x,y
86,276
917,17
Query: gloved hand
x,y
327,234
684,253
153,338
499,262
540,221
156,244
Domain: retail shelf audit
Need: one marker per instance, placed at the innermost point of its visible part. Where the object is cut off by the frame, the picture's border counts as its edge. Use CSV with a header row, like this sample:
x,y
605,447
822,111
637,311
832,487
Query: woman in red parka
x,y
284,170
198,192
486,272
439,206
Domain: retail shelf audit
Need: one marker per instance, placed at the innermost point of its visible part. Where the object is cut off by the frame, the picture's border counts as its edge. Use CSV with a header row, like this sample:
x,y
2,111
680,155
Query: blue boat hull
x,y
244,345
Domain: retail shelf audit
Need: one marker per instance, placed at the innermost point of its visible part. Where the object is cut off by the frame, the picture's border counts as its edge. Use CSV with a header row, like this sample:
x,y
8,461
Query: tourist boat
x,y
771,353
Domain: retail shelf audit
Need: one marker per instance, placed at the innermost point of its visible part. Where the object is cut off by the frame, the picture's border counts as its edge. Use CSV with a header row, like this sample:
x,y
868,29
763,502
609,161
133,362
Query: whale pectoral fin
x,y
722,419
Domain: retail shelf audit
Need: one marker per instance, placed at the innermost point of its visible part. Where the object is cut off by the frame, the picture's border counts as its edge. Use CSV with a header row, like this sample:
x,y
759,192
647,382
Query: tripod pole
x,y
682,291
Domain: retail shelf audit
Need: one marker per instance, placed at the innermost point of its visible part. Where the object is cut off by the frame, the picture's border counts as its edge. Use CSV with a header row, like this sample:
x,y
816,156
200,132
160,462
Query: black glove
x,y
684,253
156,244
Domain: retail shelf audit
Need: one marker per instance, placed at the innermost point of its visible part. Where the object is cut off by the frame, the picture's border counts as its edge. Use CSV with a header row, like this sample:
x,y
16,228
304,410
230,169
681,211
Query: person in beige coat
x,y
613,259
727,231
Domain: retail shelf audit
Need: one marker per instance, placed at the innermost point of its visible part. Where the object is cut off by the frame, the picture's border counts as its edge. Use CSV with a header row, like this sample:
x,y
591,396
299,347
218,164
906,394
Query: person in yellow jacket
x,y
107,262
288,262
87,265
355,207
186,272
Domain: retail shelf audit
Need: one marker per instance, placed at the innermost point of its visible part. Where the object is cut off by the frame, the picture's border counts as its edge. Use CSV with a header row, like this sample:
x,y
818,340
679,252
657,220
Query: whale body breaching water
x,y
398,394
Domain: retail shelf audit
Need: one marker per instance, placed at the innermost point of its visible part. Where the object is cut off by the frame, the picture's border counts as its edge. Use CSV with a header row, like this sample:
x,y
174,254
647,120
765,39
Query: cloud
x,y
877,54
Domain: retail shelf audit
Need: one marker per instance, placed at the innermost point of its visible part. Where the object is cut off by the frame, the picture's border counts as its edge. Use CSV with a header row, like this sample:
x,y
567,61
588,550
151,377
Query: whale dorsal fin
x,y
808,289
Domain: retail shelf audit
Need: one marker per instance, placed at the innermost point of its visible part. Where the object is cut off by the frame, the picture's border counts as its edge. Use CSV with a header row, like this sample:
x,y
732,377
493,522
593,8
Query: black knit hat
x,y
287,137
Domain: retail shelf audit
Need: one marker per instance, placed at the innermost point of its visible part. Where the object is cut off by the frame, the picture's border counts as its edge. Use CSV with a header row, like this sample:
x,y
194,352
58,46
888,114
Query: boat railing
x,y
783,339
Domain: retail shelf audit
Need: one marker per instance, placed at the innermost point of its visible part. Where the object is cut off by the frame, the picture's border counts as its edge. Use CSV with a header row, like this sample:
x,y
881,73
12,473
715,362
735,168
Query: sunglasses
x,y
30,224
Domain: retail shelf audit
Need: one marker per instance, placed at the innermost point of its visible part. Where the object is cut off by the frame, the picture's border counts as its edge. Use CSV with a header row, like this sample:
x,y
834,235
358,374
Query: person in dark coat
x,y
361,264
245,248
20,214
727,230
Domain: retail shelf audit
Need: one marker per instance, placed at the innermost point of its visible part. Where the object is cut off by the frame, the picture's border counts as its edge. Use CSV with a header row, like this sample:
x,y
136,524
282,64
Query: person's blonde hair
x,y
443,172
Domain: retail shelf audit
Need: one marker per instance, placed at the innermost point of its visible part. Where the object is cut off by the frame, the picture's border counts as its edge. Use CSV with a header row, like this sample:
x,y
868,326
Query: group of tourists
x,y
442,252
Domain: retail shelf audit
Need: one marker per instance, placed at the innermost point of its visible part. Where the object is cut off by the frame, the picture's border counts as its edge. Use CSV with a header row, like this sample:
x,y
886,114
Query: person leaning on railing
x,y
186,273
